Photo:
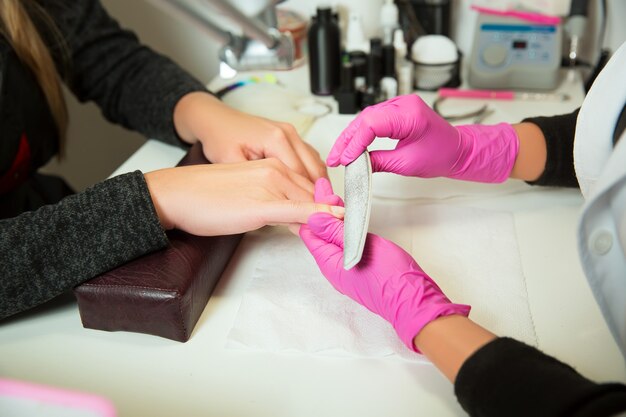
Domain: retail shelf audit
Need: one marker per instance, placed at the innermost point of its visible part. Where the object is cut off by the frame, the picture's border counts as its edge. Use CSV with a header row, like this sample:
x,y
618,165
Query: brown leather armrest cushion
x,y
162,293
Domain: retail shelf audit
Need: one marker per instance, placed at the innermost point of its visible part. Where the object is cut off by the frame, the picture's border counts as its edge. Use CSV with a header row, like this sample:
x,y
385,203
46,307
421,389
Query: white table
x,y
150,376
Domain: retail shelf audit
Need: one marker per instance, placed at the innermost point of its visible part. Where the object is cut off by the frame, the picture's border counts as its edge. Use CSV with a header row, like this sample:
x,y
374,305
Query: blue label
x,y
517,28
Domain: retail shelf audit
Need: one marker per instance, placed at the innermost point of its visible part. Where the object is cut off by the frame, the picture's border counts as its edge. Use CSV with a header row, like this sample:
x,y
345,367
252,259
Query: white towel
x,y
471,253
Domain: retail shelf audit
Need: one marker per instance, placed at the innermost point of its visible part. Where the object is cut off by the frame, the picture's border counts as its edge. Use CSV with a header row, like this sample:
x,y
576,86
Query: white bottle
x,y
388,20
399,44
405,77
388,87
355,38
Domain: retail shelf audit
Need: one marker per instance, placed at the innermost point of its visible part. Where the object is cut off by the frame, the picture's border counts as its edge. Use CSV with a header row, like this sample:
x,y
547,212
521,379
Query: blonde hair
x,y
19,30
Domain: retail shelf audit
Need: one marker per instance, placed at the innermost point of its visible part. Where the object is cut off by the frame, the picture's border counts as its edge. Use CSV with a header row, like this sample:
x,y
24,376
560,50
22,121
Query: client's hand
x,y
228,135
387,280
428,145
223,199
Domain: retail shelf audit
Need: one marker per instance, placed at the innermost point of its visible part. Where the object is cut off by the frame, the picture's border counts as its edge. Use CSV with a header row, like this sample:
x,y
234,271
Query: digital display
x,y
519,44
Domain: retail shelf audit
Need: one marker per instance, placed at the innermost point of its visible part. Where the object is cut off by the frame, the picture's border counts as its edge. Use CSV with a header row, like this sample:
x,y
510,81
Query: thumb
x,y
323,237
379,160
388,161
327,228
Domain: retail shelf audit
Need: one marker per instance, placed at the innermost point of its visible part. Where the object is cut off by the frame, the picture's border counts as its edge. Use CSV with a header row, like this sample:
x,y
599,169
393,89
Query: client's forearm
x,y
449,341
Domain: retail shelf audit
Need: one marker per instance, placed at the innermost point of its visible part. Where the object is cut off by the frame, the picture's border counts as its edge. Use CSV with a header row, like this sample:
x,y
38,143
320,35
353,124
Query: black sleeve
x,y
133,85
559,133
46,252
508,378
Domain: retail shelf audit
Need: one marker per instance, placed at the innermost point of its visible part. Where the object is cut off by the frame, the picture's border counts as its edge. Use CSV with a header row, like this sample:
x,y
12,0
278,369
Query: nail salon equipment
x,y
372,95
260,46
355,38
359,60
405,77
409,23
389,82
358,203
575,27
400,46
162,293
502,94
388,20
347,96
437,62
297,26
477,115
324,41
482,112
434,15
513,52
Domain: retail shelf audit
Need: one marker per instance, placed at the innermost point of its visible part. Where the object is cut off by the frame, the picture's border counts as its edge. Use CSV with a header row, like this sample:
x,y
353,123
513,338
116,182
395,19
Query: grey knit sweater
x,y
46,252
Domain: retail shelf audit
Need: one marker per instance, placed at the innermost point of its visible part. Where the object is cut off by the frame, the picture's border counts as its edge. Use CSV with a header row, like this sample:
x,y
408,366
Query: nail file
x,y
358,192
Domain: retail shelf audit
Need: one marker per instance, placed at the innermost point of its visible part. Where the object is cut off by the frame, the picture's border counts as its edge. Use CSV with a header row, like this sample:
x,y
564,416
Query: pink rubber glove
x,y
387,280
428,145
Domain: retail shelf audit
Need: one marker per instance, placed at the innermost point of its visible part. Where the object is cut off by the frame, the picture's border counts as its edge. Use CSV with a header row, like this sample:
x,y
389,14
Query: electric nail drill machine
x,y
515,51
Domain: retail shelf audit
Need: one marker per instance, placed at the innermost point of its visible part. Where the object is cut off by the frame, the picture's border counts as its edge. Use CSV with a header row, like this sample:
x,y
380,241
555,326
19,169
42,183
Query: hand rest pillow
x,y
162,293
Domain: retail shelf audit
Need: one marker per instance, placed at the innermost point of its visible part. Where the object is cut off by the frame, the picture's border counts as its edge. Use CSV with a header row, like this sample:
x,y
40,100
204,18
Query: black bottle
x,y
324,52
372,94
348,99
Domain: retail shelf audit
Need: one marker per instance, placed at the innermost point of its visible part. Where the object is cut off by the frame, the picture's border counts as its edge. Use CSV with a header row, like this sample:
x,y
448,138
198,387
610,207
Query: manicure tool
x,y
358,193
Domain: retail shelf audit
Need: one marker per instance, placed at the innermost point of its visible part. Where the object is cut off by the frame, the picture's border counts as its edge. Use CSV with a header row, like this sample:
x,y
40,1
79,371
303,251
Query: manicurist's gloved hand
x,y
387,280
428,146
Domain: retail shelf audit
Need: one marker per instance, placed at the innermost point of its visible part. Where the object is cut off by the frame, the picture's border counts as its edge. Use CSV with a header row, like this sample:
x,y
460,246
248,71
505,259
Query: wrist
x,y
417,310
191,109
490,152
154,181
449,341
533,154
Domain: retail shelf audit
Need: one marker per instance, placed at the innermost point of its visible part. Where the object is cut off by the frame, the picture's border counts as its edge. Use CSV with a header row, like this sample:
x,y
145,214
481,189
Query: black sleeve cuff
x,y
559,133
508,378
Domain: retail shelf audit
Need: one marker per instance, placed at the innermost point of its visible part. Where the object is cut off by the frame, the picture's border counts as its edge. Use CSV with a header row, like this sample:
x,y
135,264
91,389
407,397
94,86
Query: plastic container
x,y
296,25
324,42
437,62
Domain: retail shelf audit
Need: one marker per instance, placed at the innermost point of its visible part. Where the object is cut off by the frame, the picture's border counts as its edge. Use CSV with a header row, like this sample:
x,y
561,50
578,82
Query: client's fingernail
x,y
338,211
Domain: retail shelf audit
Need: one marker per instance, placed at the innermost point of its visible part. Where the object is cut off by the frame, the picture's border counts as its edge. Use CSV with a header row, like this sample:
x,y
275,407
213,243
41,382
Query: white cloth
x,y
598,115
601,172
290,306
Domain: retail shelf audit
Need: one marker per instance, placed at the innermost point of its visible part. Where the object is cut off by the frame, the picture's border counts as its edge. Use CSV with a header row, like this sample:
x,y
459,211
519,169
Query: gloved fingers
x,y
381,121
324,193
323,188
327,228
328,257
385,161
399,162
336,152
